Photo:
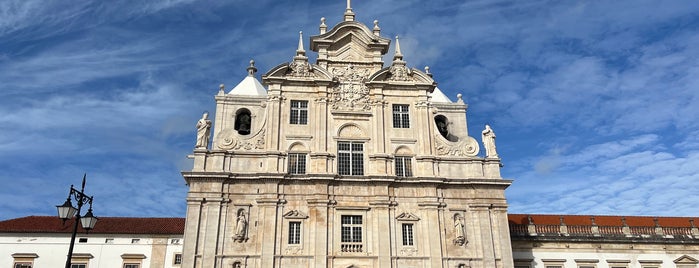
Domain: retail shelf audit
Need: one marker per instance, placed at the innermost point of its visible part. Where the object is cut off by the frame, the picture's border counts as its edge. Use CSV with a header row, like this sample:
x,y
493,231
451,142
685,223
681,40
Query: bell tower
x,y
346,162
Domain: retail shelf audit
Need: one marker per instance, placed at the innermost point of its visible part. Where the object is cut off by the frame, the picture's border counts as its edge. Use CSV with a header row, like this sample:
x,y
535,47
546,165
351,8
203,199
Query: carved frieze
x,y
463,147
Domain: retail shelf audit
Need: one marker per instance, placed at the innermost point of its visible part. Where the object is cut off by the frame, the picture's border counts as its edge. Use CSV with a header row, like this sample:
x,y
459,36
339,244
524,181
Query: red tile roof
x,y
105,225
647,221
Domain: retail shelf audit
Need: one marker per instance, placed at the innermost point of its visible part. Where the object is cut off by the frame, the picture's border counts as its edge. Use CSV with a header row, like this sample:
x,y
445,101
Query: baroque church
x,y
346,162
349,162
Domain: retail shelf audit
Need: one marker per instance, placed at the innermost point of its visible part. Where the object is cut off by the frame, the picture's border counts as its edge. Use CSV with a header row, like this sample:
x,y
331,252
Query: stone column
x,y
210,223
382,233
433,231
191,232
268,232
318,228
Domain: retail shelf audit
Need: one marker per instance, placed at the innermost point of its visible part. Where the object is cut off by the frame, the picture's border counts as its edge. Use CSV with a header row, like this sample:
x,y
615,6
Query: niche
x,y
443,126
243,121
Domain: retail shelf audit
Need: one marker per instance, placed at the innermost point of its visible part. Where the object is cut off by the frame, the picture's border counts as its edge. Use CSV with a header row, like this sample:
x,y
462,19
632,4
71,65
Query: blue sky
x,y
595,103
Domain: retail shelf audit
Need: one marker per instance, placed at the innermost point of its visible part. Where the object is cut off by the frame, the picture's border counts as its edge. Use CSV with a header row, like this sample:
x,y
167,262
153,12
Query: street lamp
x,y
67,211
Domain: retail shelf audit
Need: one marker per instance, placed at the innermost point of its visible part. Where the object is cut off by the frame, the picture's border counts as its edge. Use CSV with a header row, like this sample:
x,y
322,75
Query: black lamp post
x,y
67,211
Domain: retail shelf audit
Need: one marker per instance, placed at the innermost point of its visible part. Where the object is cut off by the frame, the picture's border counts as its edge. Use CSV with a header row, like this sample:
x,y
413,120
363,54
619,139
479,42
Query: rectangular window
x,y
135,241
78,265
404,166
294,232
132,265
407,234
401,118
350,158
178,258
23,265
299,112
351,233
82,240
297,163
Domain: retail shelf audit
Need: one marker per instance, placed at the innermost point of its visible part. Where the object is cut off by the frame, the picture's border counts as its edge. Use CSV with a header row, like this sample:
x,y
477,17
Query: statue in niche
x,y
203,131
488,136
243,122
443,127
459,236
241,223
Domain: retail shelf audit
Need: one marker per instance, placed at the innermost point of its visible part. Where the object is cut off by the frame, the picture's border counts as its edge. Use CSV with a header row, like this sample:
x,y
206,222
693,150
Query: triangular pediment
x,y
686,260
407,216
295,214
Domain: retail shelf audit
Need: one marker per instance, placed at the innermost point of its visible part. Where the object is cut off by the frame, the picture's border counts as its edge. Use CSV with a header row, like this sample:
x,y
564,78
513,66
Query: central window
x,y
403,166
297,163
299,112
401,118
351,235
350,156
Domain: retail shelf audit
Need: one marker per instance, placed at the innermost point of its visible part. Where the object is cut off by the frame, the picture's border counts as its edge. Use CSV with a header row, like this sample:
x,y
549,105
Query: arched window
x,y
243,121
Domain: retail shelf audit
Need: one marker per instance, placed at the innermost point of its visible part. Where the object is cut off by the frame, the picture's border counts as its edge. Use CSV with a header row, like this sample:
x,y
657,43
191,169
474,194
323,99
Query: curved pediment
x,y
350,41
402,75
298,70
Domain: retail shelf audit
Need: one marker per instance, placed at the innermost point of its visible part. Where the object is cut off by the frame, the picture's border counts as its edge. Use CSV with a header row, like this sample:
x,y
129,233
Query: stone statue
x,y
459,236
203,131
240,225
488,136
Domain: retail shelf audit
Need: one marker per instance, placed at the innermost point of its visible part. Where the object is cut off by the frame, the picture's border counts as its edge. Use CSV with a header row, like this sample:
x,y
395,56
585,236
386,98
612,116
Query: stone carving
x,y
299,69
459,236
241,224
464,147
399,73
231,141
488,136
408,251
407,216
295,214
351,131
292,250
203,131
350,93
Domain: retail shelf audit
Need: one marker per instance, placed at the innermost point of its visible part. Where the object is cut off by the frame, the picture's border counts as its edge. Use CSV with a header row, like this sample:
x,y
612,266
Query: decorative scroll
x,y
463,147
232,140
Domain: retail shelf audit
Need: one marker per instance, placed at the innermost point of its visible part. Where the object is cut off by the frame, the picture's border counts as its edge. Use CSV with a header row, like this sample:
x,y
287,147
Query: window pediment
x,y
295,214
407,216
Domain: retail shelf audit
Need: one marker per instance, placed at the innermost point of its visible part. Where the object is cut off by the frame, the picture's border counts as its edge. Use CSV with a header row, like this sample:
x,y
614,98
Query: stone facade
x,y
347,162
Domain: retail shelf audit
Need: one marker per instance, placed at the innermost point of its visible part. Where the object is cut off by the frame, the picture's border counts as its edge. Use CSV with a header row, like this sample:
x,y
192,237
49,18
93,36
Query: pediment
x,y
350,33
286,70
686,260
407,216
414,76
295,214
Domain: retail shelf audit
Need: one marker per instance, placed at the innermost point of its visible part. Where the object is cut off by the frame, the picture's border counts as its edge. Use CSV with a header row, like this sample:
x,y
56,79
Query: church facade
x,y
346,162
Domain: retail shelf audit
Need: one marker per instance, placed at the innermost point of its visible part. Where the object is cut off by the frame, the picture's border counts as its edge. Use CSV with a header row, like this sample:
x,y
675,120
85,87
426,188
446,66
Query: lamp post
x,y
67,211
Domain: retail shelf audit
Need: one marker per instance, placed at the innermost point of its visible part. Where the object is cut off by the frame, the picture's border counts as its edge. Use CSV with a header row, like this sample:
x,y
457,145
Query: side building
x,y
42,241
538,241
345,162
